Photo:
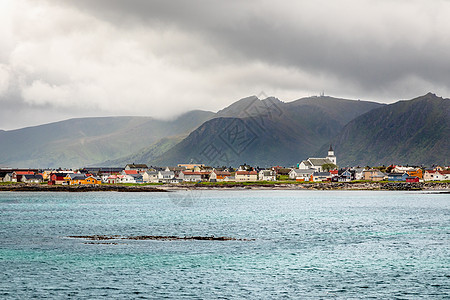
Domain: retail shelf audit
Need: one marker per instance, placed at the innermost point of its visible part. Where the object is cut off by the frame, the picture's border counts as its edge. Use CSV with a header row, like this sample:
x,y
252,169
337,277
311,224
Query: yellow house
x,y
80,180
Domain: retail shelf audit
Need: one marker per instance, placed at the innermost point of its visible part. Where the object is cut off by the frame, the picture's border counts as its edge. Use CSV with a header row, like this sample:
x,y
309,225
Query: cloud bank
x,y
61,58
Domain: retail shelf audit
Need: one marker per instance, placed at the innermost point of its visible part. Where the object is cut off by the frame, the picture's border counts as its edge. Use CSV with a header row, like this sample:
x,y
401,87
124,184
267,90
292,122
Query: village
x,y
309,170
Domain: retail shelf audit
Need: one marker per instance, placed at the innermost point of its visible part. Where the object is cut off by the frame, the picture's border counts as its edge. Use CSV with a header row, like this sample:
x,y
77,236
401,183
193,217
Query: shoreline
x,y
351,186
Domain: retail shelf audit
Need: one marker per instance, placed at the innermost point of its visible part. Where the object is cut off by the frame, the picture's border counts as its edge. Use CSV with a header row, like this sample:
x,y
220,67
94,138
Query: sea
x,y
290,245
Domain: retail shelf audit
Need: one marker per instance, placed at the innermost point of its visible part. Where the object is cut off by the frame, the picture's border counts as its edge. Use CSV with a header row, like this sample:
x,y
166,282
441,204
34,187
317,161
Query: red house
x,y
412,179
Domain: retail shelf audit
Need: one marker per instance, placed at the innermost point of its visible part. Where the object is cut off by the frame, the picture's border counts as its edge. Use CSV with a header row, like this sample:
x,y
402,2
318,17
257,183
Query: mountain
x,y
411,132
84,141
266,132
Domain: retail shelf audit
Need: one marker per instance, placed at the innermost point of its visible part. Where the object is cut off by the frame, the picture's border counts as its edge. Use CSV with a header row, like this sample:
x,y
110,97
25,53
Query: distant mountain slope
x,y
266,132
84,141
406,132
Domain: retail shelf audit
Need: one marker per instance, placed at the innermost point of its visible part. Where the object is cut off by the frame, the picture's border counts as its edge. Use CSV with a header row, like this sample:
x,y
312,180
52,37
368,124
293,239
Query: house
x,y
218,176
412,179
320,176
432,175
17,175
343,176
267,175
113,179
150,176
246,176
129,172
373,175
190,176
300,175
193,176
283,171
416,172
190,166
397,176
230,179
138,178
127,179
58,178
137,167
35,178
359,173
317,163
8,177
81,179
165,176
401,169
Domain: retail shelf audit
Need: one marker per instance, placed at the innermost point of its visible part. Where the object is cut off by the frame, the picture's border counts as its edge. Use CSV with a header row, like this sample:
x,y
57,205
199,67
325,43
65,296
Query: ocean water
x,y
307,244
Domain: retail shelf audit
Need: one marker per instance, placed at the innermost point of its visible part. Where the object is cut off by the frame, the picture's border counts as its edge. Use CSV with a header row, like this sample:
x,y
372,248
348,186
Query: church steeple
x,y
331,155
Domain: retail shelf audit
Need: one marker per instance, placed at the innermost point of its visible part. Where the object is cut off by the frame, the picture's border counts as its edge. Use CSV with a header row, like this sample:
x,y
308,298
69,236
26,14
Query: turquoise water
x,y
308,244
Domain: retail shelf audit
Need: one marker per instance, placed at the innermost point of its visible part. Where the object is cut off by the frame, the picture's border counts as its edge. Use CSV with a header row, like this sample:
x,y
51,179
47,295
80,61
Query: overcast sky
x,y
65,58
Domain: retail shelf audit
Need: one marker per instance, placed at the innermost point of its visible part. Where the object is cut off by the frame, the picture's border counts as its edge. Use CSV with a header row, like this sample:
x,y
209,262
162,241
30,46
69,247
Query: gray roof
x,y
77,176
34,176
321,174
319,161
306,163
167,173
303,171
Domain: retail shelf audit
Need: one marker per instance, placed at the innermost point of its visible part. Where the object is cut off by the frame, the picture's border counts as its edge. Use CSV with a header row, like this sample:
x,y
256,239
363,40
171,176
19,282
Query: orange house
x,y
87,180
416,173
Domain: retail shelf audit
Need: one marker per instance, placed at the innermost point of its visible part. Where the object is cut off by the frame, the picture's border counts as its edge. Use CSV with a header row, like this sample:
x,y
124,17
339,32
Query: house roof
x,y
317,162
303,171
221,173
167,173
77,176
321,174
246,173
306,163
24,173
137,166
33,176
130,172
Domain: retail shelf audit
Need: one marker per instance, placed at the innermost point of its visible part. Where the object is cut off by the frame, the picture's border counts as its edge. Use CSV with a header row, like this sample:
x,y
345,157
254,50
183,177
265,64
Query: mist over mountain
x,y
258,132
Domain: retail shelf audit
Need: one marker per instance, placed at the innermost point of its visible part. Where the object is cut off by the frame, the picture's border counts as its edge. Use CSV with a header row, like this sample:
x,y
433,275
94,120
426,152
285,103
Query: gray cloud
x,y
161,58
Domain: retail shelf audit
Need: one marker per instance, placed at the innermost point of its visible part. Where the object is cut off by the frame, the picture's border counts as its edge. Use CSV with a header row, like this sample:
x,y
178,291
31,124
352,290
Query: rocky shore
x,y
77,188
156,238
368,186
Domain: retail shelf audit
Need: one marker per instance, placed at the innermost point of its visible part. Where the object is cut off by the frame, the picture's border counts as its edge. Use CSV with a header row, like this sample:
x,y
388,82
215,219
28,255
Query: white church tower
x,y
331,155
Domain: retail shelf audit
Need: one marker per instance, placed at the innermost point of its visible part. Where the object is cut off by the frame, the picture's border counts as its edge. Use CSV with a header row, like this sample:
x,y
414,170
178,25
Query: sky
x,y
62,58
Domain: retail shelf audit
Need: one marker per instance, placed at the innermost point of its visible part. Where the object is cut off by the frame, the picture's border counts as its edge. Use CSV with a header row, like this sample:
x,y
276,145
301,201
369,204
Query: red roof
x,y
246,173
129,172
24,173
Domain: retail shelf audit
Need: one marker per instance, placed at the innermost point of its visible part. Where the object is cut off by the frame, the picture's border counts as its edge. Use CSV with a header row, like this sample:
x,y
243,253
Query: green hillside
x,y
266,132
84,141
407,132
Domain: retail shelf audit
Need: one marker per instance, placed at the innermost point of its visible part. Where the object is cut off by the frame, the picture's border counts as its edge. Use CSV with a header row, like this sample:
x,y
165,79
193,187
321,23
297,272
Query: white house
x,y
165,176
150,176
218,176
300,175
267,175
321,176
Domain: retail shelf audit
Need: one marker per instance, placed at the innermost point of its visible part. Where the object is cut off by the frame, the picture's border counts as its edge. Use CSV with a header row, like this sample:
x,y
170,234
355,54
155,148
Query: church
x,y
317,163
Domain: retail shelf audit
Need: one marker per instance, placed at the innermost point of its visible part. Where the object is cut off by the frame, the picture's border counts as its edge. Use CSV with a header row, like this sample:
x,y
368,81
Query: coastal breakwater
x,y
368,186
18,187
